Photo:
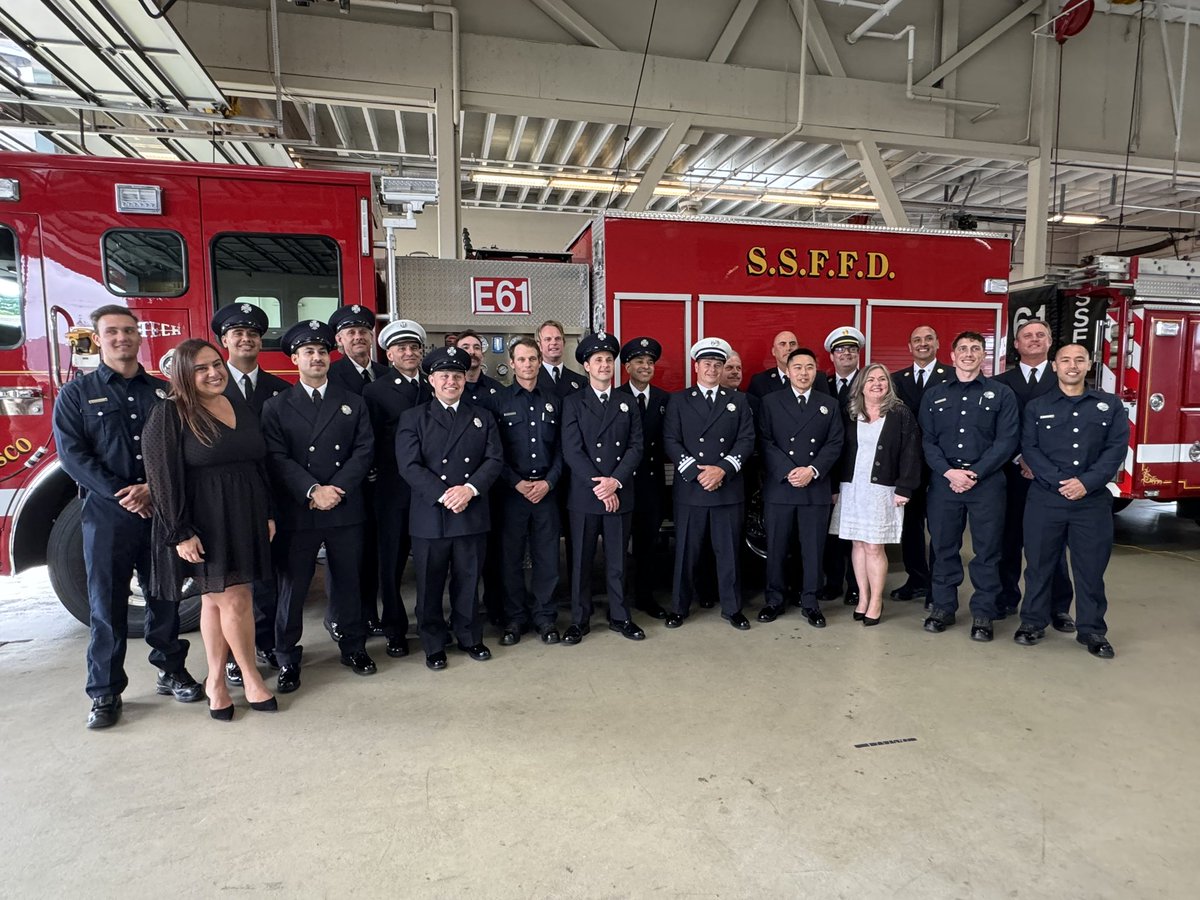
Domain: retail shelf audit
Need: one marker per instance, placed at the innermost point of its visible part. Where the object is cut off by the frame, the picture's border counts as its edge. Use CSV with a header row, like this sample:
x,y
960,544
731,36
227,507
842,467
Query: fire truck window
x,y
10,291
301,273
144,263
269,305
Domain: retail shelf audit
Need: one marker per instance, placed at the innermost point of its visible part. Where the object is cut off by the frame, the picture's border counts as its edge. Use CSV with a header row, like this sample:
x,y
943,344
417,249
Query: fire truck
x,y
173,241
1140,318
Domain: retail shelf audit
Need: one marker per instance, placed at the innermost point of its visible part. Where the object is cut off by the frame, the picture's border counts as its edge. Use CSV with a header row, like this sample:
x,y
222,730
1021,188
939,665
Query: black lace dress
x,y
219,493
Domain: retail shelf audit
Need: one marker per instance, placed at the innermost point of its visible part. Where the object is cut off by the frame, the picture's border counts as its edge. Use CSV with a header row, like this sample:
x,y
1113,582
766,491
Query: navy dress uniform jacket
x,y
906,384
342,372
307,447
482,390
650,477
696,434
1075,437
434,453
599,441
266,386
388,398
792,437
768,381
569,381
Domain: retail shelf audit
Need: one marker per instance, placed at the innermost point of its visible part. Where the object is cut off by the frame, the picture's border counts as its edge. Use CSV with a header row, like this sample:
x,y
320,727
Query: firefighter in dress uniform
x,y
98,421
969,430
240,328
844,346
1074,440
449,453
650,480
800,432
708,434
602,445
319,451
403,387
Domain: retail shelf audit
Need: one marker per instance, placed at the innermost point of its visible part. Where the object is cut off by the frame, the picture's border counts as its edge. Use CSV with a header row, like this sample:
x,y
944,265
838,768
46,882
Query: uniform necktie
x,y
604,400
708,395
247,387
801,401
642,402
366,376
920,379
554,369
1033,377
316,395
842,385
450,412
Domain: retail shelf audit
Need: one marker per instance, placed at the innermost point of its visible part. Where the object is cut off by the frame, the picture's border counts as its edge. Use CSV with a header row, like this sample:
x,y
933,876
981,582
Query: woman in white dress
x,y
878,471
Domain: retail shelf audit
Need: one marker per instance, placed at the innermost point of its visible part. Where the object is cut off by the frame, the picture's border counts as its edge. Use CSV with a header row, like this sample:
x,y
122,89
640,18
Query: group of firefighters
x,y
477,481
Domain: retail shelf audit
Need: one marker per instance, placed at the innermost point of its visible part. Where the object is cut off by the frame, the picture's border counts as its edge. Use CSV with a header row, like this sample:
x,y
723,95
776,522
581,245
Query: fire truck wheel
x,y
756,531
68,576
1120,503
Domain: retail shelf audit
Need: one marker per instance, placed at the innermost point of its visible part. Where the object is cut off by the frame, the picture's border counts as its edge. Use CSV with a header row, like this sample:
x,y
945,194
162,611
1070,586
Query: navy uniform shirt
x,y
483,390
1083,437
98,421
969,425
529,424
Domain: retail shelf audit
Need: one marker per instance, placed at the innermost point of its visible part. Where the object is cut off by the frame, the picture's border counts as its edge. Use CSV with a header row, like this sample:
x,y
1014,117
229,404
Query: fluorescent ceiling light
x,y
590,184
793,199
672,190
1077,219
512,179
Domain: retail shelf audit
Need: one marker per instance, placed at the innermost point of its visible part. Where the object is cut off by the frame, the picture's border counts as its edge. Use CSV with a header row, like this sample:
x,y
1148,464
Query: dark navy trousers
x,y
1017,487
949,514
534,526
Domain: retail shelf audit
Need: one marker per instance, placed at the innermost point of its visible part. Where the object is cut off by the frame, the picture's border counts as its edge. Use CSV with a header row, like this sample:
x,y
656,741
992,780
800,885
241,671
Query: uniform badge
x,y
356,308
549,407
575,384
624,407
601,335
824,410
1102,406
732,407
989,395
645,343
160,393
314,324
450,351
245,307
346,410
662,410
477,423
491,390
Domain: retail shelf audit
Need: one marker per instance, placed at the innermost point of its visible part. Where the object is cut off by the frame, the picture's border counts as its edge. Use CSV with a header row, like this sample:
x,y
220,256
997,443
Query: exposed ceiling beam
x,y
1028,8
371,135
575,24
658,164
401,140
733,30
820,45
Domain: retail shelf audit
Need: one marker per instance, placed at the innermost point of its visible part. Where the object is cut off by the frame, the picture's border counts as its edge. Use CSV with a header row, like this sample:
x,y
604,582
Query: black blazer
x,y
898,461
906,385
650,476
266,386
791,437
387,398
342,372
1016,381
768,381
599,441
697,435
568,381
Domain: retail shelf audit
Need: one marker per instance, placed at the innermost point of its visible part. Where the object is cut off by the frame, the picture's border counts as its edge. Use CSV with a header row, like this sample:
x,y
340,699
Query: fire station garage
x,y
817,315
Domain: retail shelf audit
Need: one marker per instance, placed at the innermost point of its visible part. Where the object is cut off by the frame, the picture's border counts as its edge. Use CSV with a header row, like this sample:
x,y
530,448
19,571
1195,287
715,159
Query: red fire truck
x,y
172,241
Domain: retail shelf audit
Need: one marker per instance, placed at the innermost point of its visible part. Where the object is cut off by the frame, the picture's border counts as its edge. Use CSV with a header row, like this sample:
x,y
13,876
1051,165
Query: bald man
x,y
775,378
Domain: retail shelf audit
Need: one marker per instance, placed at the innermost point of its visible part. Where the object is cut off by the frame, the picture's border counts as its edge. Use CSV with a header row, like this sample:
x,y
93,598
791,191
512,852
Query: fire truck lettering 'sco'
x,y
14,451
815,263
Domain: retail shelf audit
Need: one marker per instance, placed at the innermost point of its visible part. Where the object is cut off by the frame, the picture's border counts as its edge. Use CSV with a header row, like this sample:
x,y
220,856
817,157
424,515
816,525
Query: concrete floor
x,y
703,762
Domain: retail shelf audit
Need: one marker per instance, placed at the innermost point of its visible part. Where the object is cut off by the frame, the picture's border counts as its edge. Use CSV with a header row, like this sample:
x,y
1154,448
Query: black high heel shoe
x,y
271,705
858,617
224,714
868,621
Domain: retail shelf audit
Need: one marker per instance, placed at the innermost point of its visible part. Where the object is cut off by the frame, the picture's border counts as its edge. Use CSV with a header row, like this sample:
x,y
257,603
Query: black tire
x,y
1120,503
68,576
756,530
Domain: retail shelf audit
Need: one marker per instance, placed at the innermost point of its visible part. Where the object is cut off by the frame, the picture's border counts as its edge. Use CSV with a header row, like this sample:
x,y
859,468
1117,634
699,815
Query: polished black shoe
x,y
374,628
851,598
476,651
335,632
738,621
575,633
269,705
224,714
233,673
182,686
267,658
1064,623
1097,645
397,647
360,661
288,680
770,613
1027,636
652,609
858,617
868,621
981,630
815,617
511,636
627,628
937,622
674,620
436,661
908,592
105,711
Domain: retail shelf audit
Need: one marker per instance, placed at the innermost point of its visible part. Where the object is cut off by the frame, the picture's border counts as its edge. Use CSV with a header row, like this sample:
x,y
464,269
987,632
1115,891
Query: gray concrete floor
x,y
703,762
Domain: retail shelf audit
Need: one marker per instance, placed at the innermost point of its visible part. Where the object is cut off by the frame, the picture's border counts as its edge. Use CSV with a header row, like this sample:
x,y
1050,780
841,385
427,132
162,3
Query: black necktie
x,y
247,387
316,395
708,395
642,403
920,380
842,382
802,401
450,412
366,376
604,400
554,369
1033,377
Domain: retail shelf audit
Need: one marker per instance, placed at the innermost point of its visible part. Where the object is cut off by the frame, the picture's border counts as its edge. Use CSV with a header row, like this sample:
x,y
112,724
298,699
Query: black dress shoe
x,y
288,680
674,620
476,651
937,622
549,635
908,592
738,621
627,628
829,593
267,658
652,609
815,617
233,673
1064,623
360,662
981,630
374,628
851,598
397,647
575,633
511,636
436,661
770,613
105,711
182,686
1027,636
335,632
1097,645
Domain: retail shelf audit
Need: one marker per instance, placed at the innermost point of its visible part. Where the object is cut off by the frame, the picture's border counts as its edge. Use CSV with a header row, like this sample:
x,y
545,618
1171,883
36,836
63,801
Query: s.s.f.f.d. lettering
x,y
790,262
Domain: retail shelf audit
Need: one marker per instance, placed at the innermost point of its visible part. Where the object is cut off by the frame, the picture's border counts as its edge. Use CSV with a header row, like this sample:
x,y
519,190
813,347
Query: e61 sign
x,y
500,296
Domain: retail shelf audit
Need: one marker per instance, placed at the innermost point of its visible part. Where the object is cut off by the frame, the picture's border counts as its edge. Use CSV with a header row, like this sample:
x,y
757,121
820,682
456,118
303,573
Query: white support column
x,y
449,201
1038,200
875,169
657,166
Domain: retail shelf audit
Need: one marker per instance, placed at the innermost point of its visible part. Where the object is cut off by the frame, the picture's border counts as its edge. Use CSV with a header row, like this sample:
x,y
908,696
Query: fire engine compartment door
x,y
1168,430
891,322
666,318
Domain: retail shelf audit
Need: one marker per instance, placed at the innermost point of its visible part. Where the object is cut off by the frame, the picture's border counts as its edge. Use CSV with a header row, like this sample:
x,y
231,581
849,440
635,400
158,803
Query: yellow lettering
x,y
816,262
23,445
846,261
877,265
787,261
756,261
11,454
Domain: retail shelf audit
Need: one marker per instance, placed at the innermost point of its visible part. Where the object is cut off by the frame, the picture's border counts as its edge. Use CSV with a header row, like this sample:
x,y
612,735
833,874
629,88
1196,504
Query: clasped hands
x,y
606,492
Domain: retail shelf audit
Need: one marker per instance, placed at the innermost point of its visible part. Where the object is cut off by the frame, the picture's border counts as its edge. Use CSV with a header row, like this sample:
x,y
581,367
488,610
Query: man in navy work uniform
x,y
528,416
1032,377
98,421
479,385
449,453
708,434
240,328
403,387
800,430
969,430
602,444
1074,439
911,383
319,450
650,480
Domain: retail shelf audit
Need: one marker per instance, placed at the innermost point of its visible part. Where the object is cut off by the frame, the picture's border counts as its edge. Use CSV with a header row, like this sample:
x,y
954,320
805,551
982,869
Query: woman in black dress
x,y
206,468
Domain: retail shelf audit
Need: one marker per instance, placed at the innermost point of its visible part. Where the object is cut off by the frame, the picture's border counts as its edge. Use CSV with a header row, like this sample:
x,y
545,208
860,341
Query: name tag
x,y
1047,416
99,400
940,400
510,414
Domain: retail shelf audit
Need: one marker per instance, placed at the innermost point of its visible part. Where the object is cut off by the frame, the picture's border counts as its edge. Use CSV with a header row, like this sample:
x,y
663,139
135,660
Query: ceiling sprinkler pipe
x,y
881,12
910,31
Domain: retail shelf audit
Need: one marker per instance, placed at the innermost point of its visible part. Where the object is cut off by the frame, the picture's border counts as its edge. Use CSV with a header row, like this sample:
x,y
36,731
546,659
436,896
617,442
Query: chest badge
x,y
1102,406
824,410
624,407
477,423
732,407
160,393
990,395
550,407
346,410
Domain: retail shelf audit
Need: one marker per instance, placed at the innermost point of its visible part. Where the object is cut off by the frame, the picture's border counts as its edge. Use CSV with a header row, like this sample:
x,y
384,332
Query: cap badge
x,y
450,351
245,307
356,308
644,342
314,324
601,335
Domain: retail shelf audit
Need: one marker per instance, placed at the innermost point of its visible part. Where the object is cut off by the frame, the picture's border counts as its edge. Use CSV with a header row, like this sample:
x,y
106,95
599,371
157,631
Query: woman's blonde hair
x,y
857,407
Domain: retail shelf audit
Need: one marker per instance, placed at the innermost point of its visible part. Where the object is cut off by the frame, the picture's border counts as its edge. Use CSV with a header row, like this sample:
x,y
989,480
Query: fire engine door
x,y
26,385
667,319
1168,430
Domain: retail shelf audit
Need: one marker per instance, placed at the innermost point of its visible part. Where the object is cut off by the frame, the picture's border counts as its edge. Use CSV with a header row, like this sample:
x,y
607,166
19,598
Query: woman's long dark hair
x,y
183,390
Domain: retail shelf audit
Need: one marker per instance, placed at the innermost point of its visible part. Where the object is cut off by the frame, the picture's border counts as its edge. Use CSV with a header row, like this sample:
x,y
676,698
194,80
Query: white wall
x,y
506,229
